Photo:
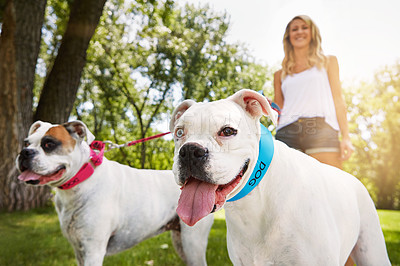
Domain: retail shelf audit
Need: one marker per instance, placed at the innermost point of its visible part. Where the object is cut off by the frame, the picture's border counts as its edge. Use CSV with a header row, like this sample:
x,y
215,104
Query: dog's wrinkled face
x,y
53,153
215,144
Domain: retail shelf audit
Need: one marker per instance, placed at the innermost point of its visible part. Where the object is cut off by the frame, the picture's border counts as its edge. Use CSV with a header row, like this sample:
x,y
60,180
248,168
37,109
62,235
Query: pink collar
x,y
87,169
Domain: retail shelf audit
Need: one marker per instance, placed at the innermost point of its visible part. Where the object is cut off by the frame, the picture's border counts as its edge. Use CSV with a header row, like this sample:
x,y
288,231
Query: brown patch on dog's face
x,y
61,134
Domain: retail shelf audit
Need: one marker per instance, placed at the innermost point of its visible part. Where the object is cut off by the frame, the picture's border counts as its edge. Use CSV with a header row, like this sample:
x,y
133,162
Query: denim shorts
x,y
310,135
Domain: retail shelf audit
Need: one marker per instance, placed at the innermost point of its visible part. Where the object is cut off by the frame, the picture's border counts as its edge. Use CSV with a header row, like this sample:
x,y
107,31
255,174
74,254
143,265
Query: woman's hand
x,y
346,149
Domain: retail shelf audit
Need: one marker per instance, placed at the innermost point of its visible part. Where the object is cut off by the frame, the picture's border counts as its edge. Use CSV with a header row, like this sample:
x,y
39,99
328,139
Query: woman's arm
x,y
340,107
278,96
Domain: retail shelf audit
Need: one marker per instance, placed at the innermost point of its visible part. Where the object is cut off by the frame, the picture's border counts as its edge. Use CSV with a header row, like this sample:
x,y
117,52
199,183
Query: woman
x,y
308,91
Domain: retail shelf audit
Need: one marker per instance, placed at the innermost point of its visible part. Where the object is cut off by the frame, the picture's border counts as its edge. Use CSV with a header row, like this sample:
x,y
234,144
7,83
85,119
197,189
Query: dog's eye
x,y
179,133
49,145
26,143
227,131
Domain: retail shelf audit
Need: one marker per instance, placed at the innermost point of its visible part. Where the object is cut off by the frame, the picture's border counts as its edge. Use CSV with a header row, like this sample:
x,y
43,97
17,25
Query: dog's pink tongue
x,y
196,201
28,175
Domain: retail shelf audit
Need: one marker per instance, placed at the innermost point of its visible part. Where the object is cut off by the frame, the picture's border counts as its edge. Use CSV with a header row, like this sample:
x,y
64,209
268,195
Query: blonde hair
x,y
316,56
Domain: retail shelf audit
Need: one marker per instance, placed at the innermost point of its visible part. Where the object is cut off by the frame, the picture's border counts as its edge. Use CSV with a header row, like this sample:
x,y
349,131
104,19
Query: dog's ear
x,y
255,104
80,129
34,127
178,112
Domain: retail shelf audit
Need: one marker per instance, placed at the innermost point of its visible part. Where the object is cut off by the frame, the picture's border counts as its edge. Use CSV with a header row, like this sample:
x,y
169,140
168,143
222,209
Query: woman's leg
x,y
331,158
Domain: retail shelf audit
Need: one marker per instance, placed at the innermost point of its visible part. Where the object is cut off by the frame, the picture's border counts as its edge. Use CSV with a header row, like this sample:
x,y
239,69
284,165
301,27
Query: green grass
x,y
390,223
34,238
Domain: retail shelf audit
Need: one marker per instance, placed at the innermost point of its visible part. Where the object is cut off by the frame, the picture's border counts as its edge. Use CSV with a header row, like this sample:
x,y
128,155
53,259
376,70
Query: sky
x,y
363,34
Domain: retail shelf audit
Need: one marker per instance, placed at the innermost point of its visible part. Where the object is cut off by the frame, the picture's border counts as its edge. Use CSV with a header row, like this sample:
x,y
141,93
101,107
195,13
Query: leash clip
x,y
111,145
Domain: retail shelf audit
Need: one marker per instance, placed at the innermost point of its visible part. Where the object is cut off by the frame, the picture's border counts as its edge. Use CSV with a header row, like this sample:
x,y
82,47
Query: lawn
x,y
34,238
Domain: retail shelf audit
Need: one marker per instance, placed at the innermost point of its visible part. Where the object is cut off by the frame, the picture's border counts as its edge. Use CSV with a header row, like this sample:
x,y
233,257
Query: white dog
x,y
284,207
104,209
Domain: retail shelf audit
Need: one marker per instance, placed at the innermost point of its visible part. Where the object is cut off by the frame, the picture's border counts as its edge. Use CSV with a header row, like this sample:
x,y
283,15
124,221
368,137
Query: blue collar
x,y
265,154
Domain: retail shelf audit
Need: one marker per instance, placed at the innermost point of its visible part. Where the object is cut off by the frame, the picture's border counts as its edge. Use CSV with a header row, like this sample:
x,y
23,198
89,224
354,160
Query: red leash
x,y
147,139
114,146
96,159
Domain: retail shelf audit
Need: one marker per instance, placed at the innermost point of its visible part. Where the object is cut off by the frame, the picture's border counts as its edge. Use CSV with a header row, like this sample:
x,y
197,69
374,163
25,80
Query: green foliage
x,y
35,238
145,57
374,111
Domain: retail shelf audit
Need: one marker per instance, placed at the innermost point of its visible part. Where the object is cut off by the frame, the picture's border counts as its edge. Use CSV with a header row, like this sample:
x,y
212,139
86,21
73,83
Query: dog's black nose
x,y
25,158
193,160
28,153
193,151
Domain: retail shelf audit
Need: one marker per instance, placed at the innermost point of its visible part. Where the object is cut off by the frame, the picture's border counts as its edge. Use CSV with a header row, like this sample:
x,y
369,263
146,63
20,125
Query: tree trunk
x,y
61,86
29,21
8,100
143,155
19,48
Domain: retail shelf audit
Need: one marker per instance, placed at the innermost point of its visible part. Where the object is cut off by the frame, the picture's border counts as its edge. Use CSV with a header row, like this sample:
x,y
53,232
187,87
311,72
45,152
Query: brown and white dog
x,y
116,207
302,212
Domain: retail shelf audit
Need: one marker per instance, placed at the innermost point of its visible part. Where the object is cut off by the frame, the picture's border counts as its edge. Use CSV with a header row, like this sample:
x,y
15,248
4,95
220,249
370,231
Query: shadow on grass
x,y
159,250
34,238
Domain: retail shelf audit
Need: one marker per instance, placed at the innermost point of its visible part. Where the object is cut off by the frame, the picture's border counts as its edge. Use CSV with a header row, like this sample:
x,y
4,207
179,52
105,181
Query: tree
x,y
19,48
20,40
145,57
59,90
374,111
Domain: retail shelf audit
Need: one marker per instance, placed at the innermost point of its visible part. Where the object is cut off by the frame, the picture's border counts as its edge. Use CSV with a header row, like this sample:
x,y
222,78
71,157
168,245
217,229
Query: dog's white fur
x,y
303,212
117,207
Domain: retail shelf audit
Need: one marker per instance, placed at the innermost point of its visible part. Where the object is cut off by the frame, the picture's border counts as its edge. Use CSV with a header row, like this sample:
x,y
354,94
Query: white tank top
x,y
307,94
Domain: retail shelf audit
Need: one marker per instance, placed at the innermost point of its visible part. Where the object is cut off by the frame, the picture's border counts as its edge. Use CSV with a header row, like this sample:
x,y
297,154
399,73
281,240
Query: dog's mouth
x,y
199,198
33,178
